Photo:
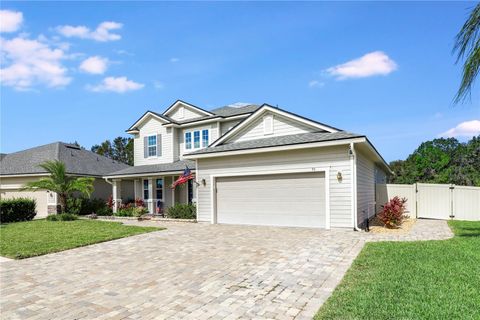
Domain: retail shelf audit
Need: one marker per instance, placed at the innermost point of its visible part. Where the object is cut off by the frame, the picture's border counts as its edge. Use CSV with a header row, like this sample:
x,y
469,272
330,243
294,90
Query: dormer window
x,y
152,145
188,140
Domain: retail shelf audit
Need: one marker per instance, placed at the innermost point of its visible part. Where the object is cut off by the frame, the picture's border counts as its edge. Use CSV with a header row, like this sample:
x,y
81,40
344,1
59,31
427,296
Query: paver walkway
x,y
190,271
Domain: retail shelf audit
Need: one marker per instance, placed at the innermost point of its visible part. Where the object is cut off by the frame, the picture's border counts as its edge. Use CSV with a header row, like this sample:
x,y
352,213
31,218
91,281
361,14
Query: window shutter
x,y
145,147
159,145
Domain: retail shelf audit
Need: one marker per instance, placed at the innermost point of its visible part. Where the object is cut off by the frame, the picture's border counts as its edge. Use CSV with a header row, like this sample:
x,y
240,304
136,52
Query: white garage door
x,y
40,197
293,200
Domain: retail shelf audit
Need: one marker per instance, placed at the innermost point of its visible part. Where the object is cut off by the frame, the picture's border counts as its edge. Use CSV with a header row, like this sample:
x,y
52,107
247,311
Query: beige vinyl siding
x,y
227,125
153,126
213,135
365,188
188,113
281,127
335,158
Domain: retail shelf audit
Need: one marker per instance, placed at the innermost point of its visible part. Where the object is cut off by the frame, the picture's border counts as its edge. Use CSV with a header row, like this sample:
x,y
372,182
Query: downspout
x,y
353,170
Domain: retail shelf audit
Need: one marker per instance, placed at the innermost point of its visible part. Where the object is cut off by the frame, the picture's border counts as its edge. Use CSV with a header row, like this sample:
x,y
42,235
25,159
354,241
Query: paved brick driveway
x,y
190,271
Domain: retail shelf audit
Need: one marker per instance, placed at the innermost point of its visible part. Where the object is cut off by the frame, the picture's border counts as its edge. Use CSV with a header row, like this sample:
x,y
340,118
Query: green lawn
x,y
34,238
412,280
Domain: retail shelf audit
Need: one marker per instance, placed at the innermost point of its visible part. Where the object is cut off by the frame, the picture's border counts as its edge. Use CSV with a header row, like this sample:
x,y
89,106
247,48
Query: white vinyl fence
x,y
434,201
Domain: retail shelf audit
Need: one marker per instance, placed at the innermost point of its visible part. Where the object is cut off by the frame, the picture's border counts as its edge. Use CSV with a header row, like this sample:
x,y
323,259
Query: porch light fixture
x,y
204,182
339,176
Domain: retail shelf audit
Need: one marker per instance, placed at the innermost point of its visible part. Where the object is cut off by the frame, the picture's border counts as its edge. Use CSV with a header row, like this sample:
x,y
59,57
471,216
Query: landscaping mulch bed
x,y
377,226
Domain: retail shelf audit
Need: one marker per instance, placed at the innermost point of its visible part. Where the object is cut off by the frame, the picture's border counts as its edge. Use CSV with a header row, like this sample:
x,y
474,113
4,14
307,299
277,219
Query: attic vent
x,y
72,146
268,125
181,112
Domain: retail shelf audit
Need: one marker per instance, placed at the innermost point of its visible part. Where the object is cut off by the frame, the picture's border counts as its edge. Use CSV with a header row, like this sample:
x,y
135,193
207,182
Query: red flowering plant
x,y
139,202
110,202
392,213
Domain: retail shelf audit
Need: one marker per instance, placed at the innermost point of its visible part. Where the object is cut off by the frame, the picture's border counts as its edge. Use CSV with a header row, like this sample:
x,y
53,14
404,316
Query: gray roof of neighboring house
x,y
77,161
229,111
155,168
280,141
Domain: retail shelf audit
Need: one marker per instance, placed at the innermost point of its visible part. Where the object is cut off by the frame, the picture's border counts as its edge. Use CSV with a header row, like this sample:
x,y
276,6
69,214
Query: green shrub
x,y
182,211
62,217
18,209
84,206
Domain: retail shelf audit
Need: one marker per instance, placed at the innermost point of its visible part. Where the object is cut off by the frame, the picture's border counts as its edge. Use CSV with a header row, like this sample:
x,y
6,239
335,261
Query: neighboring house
x,y
256,165
18,168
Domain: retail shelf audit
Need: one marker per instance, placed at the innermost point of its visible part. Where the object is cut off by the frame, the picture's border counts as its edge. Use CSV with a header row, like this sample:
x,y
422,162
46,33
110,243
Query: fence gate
x,y
434,201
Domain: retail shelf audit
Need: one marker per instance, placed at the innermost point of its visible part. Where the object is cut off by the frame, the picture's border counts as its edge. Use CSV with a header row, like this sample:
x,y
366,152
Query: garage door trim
x,y
213,191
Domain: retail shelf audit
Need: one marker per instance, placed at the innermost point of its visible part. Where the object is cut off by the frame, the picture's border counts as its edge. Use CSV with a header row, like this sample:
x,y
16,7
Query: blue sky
x,y
87,71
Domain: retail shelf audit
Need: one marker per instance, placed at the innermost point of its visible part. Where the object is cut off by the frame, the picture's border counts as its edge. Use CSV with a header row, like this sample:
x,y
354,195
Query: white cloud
x,y
26,63
173,60
94,65
316,84
102,33
371,64
119,85
158,85
465,129
10,21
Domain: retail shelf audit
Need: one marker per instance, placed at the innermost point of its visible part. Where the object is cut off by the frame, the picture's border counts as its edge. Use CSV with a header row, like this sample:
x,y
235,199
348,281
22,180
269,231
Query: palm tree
x,y
467,44
60,183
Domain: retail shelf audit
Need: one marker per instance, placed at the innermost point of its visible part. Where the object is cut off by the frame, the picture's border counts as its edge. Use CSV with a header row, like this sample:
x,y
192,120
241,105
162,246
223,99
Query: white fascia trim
x,y
178,102
373,150
279,148
151,174
10,186
216,119
266,108
326,170
149,113
24,175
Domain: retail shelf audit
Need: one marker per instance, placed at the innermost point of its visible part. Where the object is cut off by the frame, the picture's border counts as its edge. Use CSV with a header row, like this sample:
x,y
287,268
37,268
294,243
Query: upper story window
x,y
204,138
200,139
196,139
152,146
188,140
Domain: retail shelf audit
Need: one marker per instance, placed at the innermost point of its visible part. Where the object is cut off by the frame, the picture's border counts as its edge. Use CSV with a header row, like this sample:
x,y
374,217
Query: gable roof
x,y
303,138
181,102
134,127
77,161
264,108
229,111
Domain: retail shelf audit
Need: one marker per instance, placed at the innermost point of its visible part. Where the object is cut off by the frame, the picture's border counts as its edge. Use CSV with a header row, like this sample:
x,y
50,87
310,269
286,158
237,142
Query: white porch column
x,y
151,202
173,192
136,185
116,194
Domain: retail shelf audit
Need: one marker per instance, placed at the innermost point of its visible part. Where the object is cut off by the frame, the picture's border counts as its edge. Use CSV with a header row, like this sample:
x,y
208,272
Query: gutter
x,y
353,169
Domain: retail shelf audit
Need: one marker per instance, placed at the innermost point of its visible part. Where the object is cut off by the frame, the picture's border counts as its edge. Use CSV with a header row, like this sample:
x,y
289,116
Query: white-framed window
x,y
204,138
197,139
152,146
145,189
188,140
159,189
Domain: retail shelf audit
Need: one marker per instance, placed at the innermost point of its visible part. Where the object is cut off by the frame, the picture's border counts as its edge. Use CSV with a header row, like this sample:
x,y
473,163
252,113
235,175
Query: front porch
x,y
154,190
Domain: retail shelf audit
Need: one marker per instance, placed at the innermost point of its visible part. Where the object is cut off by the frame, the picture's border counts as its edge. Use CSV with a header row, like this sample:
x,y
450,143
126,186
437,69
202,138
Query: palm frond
x,y
82,185
467,44
41,184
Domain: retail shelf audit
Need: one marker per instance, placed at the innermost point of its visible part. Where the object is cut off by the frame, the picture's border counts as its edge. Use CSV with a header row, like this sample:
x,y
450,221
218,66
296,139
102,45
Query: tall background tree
x,y
467,47
62,184
441,161
121,149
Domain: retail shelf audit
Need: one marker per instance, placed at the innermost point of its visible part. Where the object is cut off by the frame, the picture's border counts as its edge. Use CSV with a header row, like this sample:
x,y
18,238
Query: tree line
x,y
443,160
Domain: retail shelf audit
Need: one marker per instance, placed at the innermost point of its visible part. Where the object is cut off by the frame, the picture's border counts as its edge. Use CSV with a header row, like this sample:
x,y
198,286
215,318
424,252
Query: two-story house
x,y
257,165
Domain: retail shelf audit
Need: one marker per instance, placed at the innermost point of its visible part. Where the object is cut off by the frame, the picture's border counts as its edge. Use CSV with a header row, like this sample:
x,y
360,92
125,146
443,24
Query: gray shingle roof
x,y
280,141
155,168
232,111
77,161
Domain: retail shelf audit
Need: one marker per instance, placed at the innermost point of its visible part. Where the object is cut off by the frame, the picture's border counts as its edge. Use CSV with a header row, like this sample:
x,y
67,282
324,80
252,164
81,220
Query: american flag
x,y
187,175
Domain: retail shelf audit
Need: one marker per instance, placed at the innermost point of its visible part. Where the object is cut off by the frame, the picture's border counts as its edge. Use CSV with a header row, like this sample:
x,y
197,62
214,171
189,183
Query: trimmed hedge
x,y
18,209
182,211
83,206
62,217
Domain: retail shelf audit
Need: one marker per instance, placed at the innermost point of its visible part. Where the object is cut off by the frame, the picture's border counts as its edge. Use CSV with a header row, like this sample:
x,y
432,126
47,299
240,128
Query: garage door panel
x,y
280,200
